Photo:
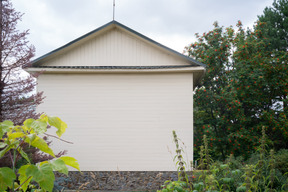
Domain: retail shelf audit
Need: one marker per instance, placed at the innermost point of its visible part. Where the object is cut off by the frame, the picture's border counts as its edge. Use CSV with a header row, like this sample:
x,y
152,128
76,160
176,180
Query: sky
x,y
173,23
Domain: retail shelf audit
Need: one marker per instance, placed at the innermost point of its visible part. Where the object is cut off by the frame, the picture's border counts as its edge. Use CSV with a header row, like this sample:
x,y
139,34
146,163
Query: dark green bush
x,y
263,171
281,158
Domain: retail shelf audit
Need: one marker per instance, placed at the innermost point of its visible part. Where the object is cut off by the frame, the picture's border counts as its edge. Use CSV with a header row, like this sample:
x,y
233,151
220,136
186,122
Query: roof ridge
x,y
114,22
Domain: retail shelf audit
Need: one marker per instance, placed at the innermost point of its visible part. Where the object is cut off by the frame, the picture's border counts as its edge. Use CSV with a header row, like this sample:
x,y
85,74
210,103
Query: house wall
x,y
121,121
114,47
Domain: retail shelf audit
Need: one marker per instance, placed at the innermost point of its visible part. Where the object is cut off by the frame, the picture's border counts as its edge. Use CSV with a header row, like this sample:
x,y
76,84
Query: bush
x,y
281,158
14,138
262,172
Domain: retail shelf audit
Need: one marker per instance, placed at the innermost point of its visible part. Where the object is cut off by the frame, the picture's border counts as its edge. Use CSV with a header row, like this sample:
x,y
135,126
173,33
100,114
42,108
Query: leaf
x,y
23,154
197,186
59,124
71,162
223,166
7,177
236,172
227,180
28,122
15,135
41,144
31,137
60,166
179,189
2,145
23,177
241,188
43,175
44,117
5,150
43,162
5,127
39,126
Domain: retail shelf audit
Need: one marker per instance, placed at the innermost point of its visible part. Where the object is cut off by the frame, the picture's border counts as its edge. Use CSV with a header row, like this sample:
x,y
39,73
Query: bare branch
x,y
58,138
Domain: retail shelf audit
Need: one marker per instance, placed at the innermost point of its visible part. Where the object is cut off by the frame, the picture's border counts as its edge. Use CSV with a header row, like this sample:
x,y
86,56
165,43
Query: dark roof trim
x,y
70,43
160,45
34,63
115,67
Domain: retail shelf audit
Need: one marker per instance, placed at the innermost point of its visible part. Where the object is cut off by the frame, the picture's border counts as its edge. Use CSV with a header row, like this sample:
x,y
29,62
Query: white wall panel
x,y
115,48
121,121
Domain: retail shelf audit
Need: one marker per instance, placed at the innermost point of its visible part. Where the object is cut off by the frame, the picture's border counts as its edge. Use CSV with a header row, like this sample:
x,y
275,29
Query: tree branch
x,y
58,138
22,183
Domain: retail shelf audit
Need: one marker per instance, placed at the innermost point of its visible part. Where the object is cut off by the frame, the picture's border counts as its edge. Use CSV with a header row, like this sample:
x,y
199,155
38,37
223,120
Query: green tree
x,y
275,27
276,24
213,49
261,79
240,91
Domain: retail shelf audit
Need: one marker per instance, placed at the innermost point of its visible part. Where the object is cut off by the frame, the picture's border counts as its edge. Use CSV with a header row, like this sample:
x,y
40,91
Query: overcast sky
x,y
173,23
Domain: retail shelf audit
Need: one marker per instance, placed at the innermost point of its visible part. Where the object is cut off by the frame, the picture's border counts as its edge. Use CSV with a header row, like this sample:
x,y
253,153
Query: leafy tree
x,y
243,90
276,24
213,49
262,79
17,97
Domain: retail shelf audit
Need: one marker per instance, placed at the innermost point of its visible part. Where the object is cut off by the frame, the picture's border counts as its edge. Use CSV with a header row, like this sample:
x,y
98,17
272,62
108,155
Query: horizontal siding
x,y
121,121
115,48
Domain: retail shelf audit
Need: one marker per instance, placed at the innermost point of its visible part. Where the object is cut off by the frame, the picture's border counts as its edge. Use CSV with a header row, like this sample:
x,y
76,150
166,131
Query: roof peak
x,y
108,26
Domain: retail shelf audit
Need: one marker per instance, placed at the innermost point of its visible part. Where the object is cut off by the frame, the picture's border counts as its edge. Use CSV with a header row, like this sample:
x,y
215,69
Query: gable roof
x,y
37,62
183,63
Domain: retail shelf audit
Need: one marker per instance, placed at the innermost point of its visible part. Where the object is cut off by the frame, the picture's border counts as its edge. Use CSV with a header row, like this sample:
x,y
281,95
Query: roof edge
x,y
198,69
159,44
71,42
116,23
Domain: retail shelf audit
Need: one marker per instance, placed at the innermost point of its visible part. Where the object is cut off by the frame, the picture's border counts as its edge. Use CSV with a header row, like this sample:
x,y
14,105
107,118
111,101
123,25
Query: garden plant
x,y
29,176
257,174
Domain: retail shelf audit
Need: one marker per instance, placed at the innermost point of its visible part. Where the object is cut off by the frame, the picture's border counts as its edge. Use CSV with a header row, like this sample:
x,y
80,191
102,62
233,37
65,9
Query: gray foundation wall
x,y
114,180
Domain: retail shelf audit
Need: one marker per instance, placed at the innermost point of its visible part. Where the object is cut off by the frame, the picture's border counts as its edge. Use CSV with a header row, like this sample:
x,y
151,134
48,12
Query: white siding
x,y
115,48
121,121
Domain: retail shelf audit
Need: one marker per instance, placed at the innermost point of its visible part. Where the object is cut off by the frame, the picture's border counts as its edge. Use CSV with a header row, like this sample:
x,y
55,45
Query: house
x,y
121,95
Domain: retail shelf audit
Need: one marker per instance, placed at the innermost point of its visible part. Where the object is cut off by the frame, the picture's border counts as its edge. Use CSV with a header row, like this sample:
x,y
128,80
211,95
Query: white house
x,y
121,95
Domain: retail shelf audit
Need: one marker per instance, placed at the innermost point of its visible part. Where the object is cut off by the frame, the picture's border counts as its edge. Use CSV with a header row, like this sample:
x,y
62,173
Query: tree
x,y
276,24
17,97
213,49
241,91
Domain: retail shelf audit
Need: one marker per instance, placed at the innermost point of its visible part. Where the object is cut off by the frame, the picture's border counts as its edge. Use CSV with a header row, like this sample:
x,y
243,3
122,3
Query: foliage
x,y
236,175
281,160
175,186
276,25
17,97
180,163
13,137
183,184
245,88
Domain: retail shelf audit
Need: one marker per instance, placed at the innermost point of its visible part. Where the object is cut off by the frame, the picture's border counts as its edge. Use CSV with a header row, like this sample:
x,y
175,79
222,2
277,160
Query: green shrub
x,y
175,186
281,158
262,172
13,139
